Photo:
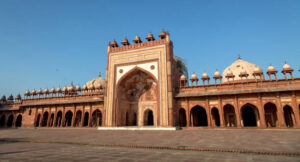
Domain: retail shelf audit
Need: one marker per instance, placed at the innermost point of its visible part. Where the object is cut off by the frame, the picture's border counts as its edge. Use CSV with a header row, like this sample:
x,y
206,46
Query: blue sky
x,y
51,43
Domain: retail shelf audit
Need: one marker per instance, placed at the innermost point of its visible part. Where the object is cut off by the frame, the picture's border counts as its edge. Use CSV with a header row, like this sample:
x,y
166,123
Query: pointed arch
x,y
19,121
45,119
289,116
68,118
96,118
58,120
37,120
215,116
78,117
86,119
229,116
10,120
250,115
270,114
148,118
182,117
2,120
198,116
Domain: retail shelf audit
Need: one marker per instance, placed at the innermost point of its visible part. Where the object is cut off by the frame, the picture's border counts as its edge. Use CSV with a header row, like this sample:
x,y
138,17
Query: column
x,y
221,113
280,115
261,111
295,109
188,124
237,111
209,124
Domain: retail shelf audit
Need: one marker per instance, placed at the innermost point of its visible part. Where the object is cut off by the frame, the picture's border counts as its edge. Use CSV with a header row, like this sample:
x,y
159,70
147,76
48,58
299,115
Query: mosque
x,y
146,85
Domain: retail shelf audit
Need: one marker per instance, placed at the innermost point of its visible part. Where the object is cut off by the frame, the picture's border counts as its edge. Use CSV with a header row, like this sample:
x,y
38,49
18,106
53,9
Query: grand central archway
x,y
136,93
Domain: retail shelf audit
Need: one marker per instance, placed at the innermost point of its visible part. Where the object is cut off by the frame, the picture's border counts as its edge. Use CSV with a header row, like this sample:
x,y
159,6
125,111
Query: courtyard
x,y
184,145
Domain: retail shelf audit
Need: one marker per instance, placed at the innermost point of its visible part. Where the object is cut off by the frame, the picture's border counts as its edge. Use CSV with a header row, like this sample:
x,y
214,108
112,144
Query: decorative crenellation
x,y
138,43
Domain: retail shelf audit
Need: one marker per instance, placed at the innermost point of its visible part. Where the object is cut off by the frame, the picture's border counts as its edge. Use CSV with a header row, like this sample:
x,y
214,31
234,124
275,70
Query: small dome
x,y
162,34
182,77
39,92
286,66
65,89
27,93
58,90
217,74
52,90
33,92
150,37
46,91
257,69
18,97
3,99
205,75
91,87
78,88
71,88
10,98
271,68
114,44
137,39
125,42
194,77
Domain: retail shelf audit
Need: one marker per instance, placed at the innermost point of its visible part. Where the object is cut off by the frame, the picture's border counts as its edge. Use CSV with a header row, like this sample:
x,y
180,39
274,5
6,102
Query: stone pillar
x,y
188,124
237,112
261,112
63,117
280,115
74,117
221,113
82,116
209,123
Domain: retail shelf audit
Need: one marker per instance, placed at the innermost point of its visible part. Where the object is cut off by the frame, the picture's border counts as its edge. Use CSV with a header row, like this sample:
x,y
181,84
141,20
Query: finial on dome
x,y
239,56
100,74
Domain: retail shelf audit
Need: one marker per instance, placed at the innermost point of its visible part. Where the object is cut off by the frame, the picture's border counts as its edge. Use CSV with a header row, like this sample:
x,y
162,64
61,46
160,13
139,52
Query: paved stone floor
x,y
89,145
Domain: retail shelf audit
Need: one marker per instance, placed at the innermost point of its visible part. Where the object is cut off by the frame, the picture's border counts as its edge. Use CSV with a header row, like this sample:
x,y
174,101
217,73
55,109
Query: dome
x,y
52,90
84,87
271,68
33,92
65,89
194,77
238,67
286,66
39,92
217,74
46,91
10,98
18,97
78,88
98,82
205,75
71,88
137,39
58,90
182,77
257,69
27,93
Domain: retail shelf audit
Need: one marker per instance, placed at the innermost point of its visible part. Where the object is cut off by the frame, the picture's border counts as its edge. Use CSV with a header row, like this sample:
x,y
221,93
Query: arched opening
x,y
2,121
96,118
10,120
51,120
198,116
270,114
136,90
215,116
229,116
78,119
289,116
37,121
182,117
148,118
19,121
58,119
68,119
250,115
86,119
45,119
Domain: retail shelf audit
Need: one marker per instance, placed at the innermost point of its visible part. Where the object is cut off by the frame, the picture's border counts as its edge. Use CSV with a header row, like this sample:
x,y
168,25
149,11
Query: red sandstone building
x,y
145,85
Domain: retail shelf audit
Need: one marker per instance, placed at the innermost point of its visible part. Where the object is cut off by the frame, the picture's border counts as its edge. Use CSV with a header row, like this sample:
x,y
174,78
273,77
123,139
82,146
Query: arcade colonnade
x,y
10,120
246,115
69,118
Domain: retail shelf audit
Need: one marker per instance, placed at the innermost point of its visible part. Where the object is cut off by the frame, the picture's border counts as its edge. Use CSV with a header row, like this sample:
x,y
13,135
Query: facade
x,y
146,85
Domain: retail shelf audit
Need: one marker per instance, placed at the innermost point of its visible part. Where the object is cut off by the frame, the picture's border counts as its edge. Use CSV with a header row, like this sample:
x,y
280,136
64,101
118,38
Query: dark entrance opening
x,y
288,116
10,121
198,116
2,121
148,118
19,121
78,119
182,117
68,119
216,116
45,119
86,119
51,120
249,116
58,119
229,116
37,121
97,118
270,114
